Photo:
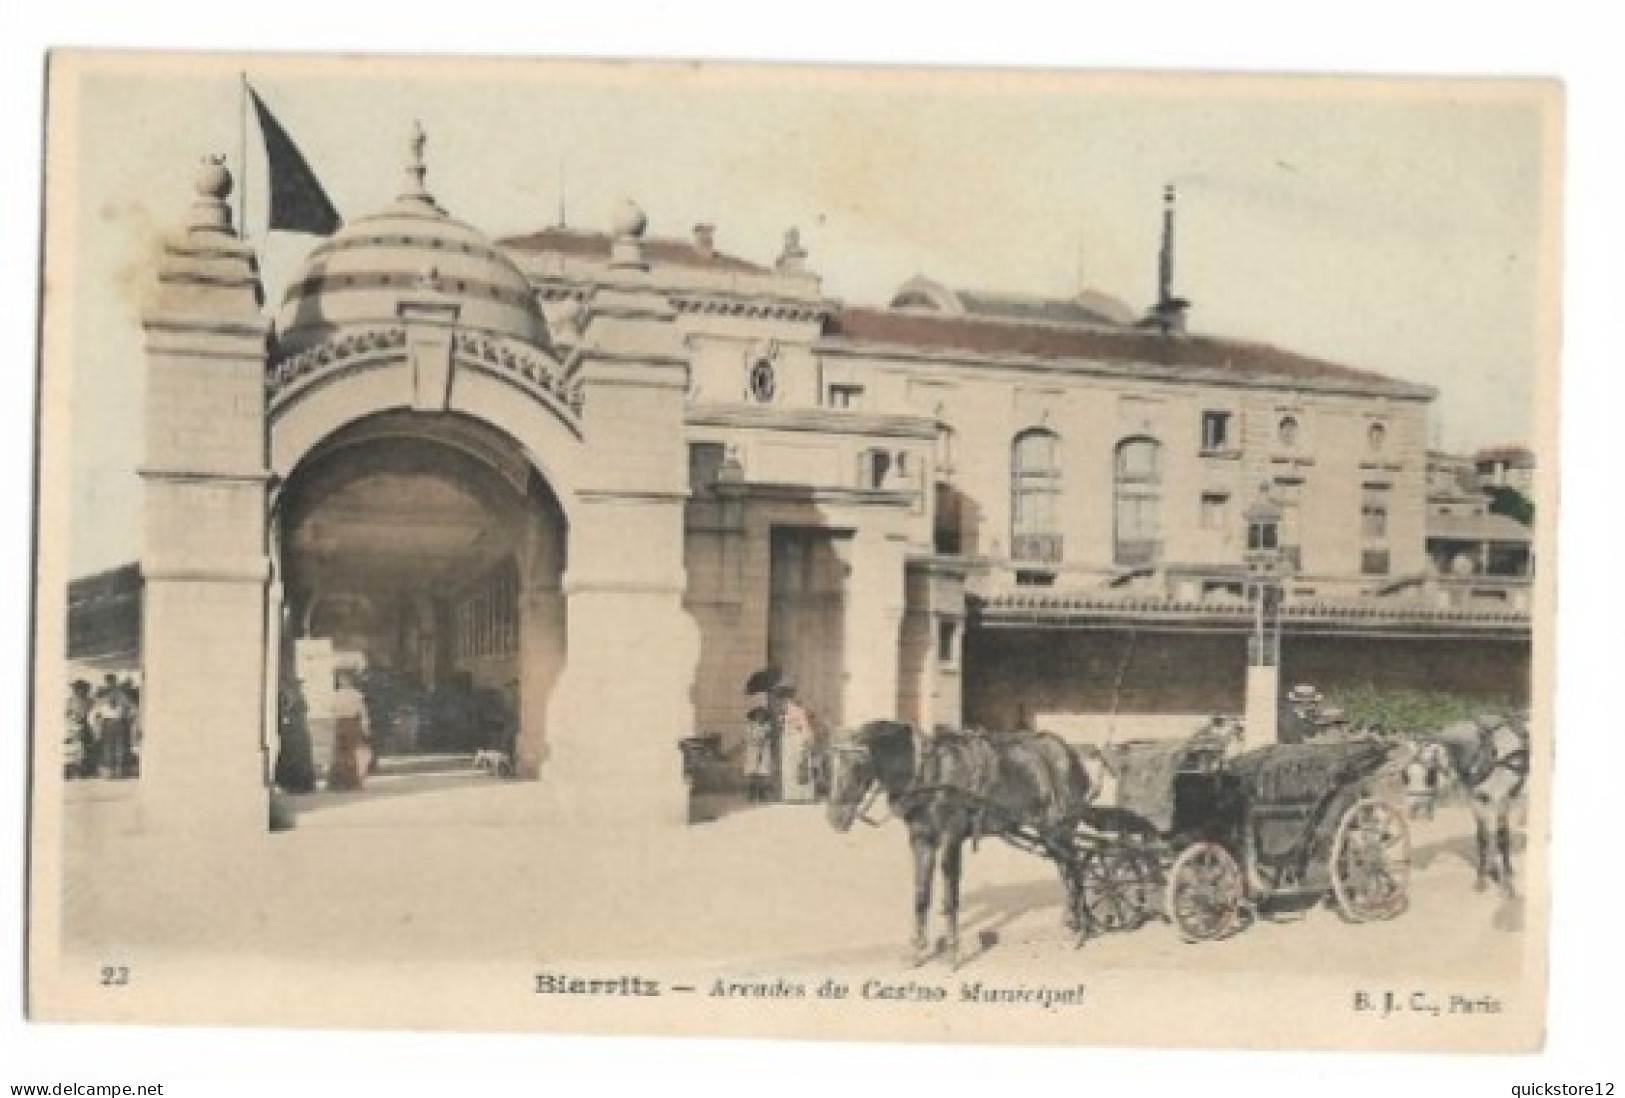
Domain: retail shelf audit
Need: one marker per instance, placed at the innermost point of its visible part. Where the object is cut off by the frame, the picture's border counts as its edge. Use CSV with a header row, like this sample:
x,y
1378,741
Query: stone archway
x,y
426,552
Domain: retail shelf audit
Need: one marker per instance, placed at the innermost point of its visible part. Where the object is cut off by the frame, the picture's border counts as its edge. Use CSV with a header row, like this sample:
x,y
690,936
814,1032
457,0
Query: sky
x,y
1398,227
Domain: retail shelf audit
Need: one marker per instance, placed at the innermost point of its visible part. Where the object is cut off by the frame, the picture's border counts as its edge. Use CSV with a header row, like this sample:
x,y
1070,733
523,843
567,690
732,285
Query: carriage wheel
x,y
1113,887
1205,892
1371,861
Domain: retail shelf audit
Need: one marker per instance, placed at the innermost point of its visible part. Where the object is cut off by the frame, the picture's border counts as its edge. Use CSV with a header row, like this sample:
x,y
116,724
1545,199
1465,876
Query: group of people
x,y
783,756
103,736
1308,716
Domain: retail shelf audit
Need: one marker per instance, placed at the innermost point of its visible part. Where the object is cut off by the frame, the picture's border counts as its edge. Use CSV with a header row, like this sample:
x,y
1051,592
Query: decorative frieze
x,y
380,346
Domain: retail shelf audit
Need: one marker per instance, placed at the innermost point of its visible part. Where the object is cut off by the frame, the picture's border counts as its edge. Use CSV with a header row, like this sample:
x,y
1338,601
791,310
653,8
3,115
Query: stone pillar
x,y
874,624
204,624
625,699
543,641
1263,716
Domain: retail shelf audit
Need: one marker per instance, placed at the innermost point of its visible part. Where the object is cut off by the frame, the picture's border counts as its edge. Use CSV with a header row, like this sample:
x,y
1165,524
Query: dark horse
x,y
1490,757
956,785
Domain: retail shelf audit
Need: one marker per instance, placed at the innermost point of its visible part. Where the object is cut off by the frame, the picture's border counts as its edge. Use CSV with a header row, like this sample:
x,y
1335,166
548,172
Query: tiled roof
x,y
1095,309
1255,361
1513,454
590,245
1488,527
1346,614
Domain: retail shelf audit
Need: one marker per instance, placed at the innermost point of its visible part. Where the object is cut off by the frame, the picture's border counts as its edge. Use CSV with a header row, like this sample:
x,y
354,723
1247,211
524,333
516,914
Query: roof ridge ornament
x,y
416,170
212,185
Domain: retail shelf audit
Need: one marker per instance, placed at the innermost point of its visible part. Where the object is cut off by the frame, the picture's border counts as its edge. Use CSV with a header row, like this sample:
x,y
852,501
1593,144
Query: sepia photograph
x,y
859,553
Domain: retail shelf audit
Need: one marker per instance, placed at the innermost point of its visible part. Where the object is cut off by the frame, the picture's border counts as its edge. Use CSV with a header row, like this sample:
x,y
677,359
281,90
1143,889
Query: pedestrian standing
x,y
759,755
78,740
794,725
351,735
111,720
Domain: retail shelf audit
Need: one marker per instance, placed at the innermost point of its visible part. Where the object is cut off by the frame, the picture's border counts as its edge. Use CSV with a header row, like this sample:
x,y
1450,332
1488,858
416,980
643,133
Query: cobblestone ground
x,y
454,869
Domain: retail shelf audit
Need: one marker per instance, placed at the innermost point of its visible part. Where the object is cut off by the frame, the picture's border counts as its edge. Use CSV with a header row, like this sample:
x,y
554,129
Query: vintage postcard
x,y
738,550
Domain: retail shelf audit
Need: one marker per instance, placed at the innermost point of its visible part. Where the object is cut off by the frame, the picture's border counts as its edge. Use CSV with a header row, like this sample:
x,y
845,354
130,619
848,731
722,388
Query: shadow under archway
x,y
424,554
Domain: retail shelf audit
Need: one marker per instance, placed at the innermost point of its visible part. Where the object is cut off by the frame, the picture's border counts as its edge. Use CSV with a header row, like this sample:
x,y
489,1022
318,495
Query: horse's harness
x,y
875,787
923,782
1515,761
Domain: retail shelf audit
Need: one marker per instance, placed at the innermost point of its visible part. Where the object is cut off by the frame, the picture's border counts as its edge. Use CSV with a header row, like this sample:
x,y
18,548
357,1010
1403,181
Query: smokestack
x,y
1165,261
1168,314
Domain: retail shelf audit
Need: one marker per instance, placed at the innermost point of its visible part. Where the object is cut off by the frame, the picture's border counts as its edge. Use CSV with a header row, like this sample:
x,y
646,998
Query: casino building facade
x,y
609,474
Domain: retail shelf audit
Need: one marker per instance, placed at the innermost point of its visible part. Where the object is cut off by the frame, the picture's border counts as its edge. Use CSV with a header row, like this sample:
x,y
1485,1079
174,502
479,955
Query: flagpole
x,y
242,156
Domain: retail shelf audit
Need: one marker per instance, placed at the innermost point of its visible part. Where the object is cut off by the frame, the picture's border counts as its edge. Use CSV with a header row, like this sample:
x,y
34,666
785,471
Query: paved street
x,y
456,869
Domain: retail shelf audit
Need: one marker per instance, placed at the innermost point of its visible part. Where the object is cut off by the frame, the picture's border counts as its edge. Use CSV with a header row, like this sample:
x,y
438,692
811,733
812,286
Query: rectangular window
x,y
946,528
1374,513
1374,562
846,396
704,461
947,641
1137,518
874,469
1215,431
1215,510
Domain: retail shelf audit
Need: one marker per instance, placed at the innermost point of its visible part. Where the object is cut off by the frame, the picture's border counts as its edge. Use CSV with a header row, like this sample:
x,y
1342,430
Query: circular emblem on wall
x,y
763,383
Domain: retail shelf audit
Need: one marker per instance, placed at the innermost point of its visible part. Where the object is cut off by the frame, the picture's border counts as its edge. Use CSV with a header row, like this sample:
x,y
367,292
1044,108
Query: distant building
x,y
1477,557
1507,467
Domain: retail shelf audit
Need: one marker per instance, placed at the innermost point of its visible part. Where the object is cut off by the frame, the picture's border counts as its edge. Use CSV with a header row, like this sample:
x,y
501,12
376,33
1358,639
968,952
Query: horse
x,y
1489,758
956,785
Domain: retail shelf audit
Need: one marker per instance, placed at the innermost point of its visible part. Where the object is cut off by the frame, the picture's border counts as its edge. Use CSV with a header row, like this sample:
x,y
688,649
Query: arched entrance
x,y
425,554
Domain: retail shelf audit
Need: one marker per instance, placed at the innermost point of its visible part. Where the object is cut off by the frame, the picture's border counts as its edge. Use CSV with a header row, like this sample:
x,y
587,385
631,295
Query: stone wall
x,y
1073,677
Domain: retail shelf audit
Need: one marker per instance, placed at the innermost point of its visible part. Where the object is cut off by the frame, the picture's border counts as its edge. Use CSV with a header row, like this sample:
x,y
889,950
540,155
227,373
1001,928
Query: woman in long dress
x,y
796,735
351,753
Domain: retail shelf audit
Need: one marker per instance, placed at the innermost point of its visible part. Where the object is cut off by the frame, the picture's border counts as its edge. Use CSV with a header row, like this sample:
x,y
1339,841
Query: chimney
x,y
705,241
793,258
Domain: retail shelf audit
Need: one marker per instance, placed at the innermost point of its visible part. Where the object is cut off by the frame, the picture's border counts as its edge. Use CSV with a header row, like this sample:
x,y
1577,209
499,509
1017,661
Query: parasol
x,y
763,680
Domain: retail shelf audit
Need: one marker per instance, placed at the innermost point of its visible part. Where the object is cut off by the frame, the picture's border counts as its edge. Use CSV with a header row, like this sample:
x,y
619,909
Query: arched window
x,y
1137,502
1035,497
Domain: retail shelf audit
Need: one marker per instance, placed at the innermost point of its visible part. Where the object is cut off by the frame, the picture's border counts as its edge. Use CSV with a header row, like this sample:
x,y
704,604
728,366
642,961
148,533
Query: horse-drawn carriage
x,y
1194,837
1224,838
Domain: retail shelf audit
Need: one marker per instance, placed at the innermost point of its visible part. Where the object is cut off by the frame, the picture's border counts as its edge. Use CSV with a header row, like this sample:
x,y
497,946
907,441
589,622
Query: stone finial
x,y
629,219
213,184
415,168
793,256
628,224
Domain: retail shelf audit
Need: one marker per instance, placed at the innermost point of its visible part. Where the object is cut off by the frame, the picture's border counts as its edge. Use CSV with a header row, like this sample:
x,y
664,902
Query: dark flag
x,y
298,203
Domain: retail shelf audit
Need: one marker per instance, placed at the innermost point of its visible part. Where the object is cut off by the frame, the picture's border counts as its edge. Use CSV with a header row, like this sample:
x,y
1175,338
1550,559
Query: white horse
x,y
1490,759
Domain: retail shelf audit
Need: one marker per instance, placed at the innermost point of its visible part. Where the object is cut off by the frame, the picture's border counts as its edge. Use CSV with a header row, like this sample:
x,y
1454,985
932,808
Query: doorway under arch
x,y
424,554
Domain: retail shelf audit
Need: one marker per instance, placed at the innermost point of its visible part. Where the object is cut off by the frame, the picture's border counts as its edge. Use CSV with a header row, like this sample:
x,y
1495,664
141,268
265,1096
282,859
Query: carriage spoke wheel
x,y
1371,861
1205,892
1112,889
